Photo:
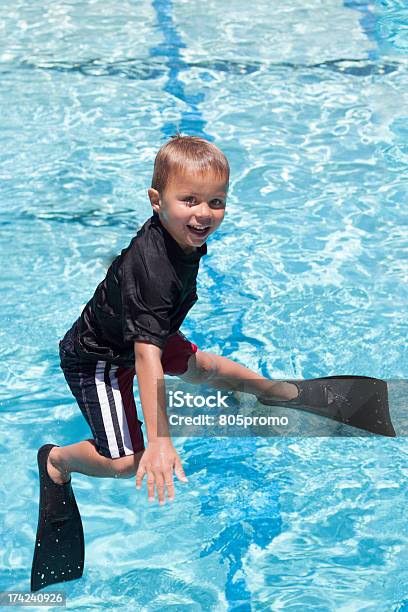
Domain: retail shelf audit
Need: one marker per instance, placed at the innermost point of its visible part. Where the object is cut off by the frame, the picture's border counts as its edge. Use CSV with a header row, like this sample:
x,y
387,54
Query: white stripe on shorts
x,y
105,408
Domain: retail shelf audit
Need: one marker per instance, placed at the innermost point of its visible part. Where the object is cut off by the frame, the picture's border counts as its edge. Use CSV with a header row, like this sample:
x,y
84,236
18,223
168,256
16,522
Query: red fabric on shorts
x,y
176,353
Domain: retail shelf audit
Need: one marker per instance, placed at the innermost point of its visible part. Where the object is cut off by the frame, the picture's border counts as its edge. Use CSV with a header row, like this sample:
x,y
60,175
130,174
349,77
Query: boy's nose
x,y
203,211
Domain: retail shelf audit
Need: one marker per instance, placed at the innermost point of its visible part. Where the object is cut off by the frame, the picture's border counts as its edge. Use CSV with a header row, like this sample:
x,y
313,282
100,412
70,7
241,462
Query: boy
x,y
131,326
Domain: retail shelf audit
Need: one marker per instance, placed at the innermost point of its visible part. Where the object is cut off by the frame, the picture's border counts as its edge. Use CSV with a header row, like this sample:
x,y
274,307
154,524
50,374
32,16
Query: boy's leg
x,y
104,393
223,373
83,457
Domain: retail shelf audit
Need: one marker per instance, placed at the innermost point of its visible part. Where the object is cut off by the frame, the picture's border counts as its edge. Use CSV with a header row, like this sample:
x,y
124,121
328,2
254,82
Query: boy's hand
x,y
158,462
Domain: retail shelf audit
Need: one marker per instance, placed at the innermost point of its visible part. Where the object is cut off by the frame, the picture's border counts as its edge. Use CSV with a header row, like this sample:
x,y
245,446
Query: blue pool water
x,y
306,277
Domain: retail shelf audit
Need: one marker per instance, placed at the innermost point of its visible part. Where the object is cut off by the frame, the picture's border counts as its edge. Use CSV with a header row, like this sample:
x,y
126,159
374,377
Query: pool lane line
x,y
191,121
368,22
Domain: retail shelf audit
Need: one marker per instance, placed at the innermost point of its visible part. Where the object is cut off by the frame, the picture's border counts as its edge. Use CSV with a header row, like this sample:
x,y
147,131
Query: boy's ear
x,y
154,197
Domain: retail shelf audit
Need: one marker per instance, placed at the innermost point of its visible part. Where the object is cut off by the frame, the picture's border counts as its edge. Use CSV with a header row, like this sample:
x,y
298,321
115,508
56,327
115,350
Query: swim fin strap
x,y
59,552
358,401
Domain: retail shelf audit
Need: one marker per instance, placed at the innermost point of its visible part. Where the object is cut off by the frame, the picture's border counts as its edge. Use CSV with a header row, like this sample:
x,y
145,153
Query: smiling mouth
x,y
197,231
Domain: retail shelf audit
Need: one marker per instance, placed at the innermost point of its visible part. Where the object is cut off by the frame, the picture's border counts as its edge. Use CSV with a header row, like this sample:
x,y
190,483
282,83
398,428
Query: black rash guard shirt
x,y
146,294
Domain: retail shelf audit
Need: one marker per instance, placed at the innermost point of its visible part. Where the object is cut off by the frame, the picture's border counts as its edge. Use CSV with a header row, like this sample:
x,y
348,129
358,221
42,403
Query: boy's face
x,y
190,200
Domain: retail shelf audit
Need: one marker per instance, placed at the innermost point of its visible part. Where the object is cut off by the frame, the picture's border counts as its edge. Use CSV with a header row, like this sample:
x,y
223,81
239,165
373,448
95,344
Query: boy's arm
x,y
148,371
160,456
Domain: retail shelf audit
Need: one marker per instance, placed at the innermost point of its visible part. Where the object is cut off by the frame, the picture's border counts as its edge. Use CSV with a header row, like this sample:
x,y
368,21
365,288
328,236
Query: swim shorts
x,y
104,393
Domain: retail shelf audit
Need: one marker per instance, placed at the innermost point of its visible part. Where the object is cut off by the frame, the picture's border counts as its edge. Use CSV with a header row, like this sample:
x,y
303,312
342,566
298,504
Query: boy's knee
x,y
207,365
201,367
126,467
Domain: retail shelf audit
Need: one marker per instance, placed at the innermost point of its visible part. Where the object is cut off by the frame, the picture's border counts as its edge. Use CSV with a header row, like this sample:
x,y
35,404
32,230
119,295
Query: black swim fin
x,y
59,546
359,401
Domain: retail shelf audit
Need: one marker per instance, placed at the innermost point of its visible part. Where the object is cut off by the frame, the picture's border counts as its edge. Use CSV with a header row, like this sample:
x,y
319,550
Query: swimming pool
x,y
306,278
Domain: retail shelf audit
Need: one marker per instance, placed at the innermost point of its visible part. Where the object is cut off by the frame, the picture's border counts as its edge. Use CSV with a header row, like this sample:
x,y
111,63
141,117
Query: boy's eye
x,y
217,202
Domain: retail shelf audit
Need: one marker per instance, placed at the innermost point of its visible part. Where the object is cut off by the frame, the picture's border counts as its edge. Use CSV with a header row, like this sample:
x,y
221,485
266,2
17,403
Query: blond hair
x,y
188,154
